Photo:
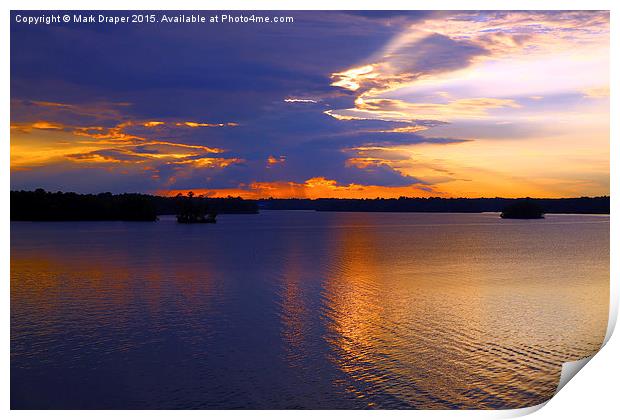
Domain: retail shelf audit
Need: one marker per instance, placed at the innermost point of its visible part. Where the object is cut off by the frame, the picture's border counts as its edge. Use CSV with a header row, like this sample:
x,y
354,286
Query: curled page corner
x,y
569,370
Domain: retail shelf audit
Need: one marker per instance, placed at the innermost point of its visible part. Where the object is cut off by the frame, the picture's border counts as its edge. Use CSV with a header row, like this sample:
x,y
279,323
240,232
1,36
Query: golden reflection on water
x,y
354,306
461,326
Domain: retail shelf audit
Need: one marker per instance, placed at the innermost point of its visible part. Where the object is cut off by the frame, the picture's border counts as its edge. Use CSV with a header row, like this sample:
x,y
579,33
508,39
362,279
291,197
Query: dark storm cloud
x,y
218,70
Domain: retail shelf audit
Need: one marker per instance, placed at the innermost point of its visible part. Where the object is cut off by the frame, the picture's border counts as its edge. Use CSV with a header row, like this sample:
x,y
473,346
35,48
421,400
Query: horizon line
x,y
318,198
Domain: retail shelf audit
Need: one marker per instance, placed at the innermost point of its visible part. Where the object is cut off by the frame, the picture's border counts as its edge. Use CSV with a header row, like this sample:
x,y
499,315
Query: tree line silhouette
x,y
43,205
64,206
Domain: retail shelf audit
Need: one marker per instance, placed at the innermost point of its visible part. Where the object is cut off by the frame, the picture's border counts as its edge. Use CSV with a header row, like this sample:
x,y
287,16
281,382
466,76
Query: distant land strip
x,y
578,205
40,205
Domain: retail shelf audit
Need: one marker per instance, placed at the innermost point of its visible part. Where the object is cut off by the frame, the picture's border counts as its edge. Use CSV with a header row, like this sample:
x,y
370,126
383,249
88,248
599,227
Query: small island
x,y
194,211
523,209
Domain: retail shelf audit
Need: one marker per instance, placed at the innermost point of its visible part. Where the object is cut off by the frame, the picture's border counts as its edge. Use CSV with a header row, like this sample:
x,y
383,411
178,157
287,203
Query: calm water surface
x,y
293,309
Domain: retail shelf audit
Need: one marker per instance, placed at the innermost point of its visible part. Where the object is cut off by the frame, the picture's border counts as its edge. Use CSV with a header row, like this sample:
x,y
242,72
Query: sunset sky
x,y
336,104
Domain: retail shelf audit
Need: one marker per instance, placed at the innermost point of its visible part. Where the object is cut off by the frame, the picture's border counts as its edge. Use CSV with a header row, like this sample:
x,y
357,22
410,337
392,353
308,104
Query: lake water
x,y
295,309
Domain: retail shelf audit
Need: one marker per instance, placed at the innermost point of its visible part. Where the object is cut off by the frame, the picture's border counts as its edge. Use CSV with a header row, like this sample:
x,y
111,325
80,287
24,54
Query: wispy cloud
x,y
300,100
273,160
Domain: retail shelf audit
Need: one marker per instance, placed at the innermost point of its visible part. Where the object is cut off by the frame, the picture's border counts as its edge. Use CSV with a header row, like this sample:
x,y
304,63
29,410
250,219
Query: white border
x,y
593,395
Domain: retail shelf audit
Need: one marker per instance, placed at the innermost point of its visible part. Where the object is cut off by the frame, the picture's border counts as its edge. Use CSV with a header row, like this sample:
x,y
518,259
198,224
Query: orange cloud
x,y
208,162
46,125
317,187
366,162
196,124
407,129
99,157
116,133
153,123
206,149
272,160
38,125
54,142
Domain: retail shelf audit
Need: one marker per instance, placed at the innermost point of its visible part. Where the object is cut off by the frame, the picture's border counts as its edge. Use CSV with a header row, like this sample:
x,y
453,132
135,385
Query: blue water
x,y
295,309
